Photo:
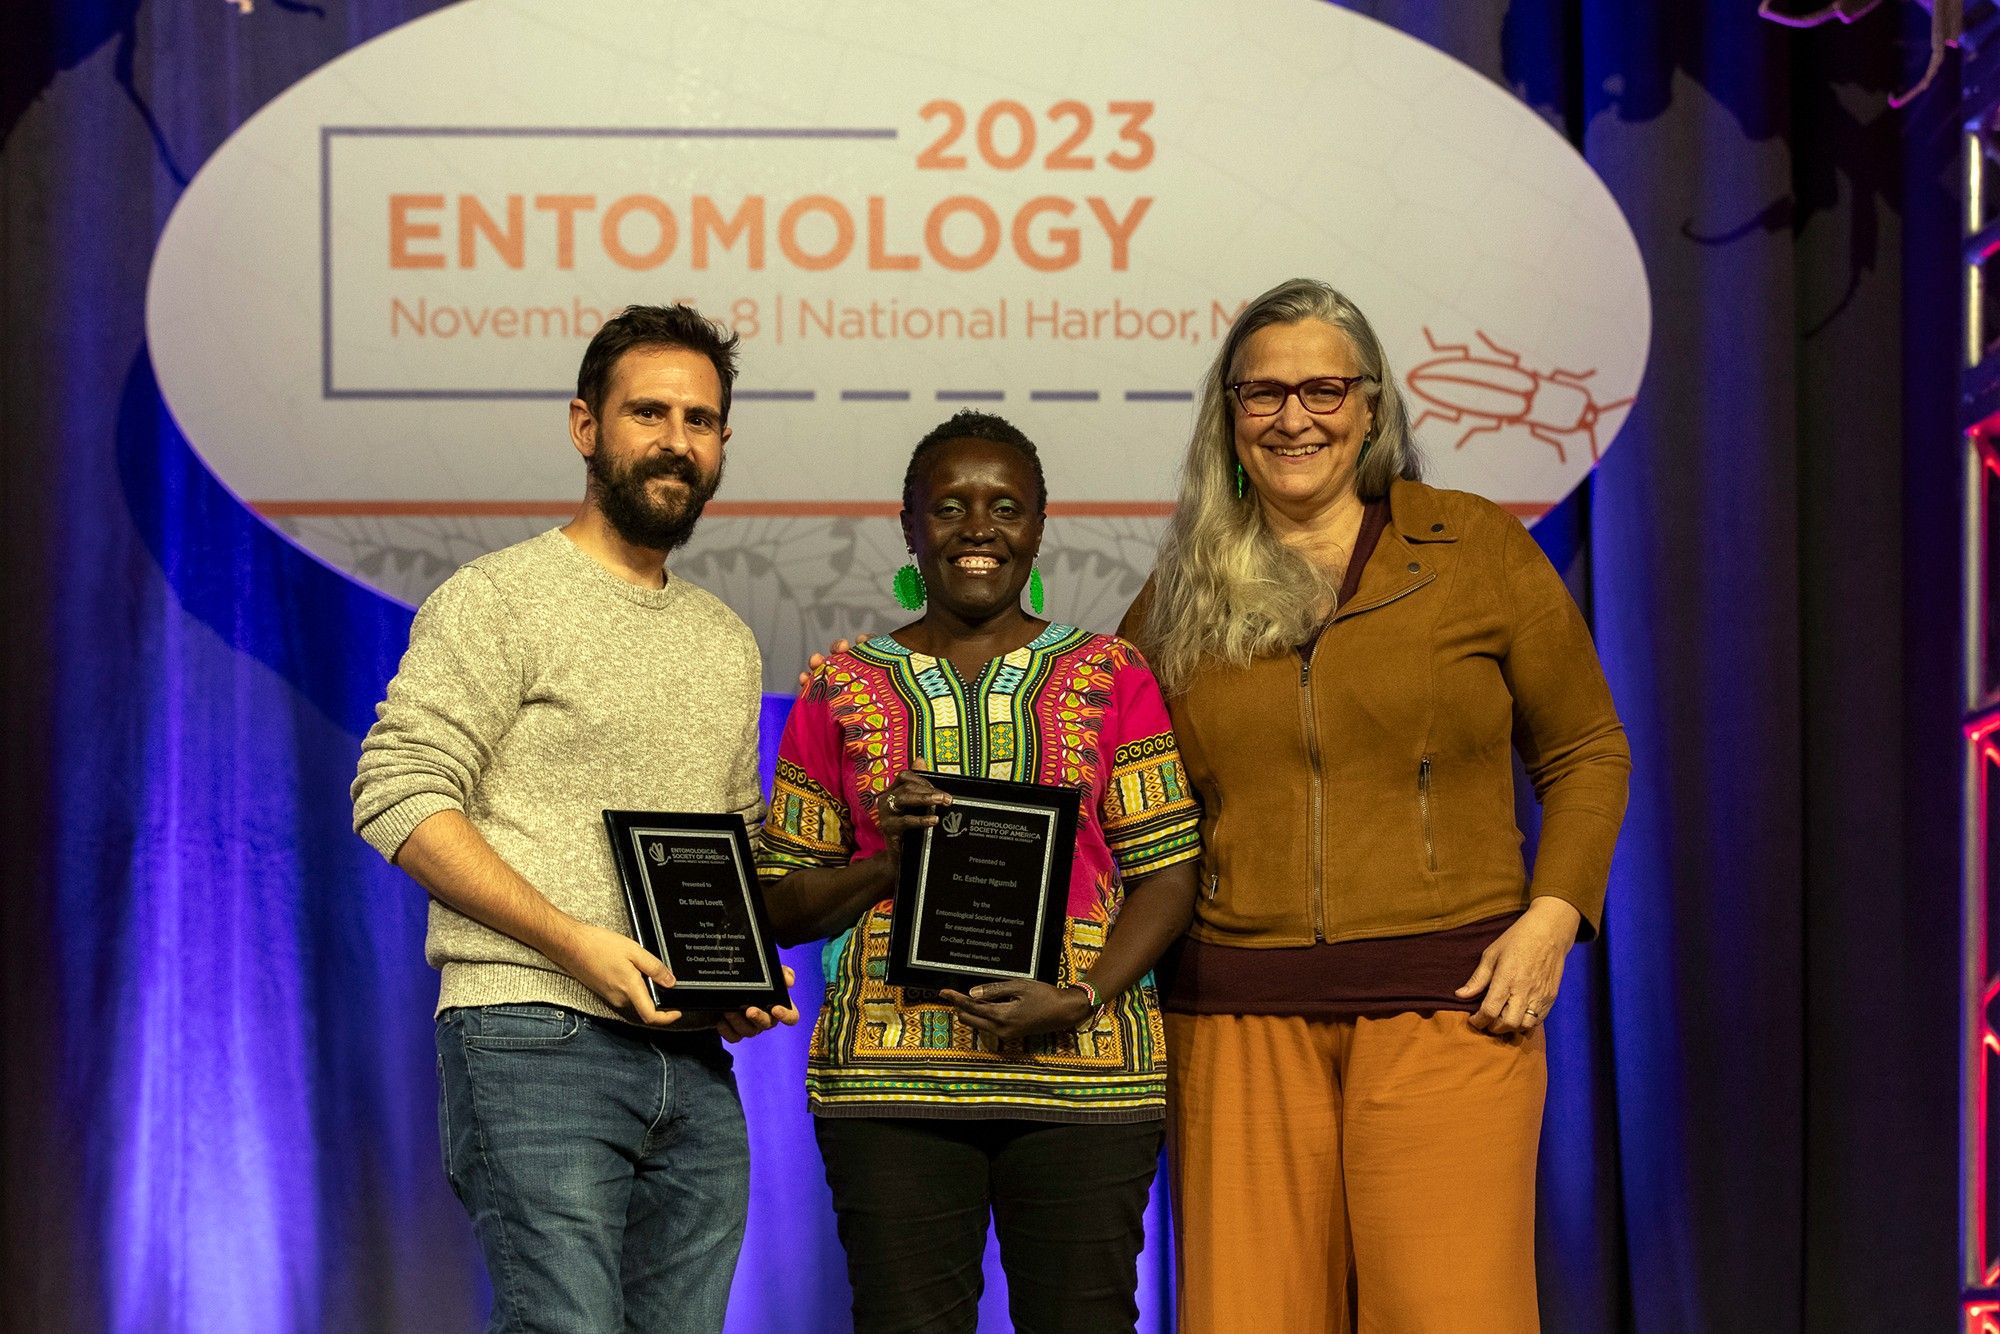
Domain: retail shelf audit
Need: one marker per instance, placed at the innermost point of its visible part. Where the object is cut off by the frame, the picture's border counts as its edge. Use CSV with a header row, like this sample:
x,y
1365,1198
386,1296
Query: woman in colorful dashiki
x,y
1039,1105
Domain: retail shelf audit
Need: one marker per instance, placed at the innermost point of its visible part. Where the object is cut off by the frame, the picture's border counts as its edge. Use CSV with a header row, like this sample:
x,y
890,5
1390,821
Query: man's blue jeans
x,y
606,1168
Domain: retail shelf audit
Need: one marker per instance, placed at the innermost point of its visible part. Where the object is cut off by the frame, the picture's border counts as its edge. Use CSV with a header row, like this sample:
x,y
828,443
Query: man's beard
x,y
658,525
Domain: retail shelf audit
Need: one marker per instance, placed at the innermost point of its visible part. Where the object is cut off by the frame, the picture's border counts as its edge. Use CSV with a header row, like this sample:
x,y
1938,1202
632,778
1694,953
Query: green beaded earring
x,y
908,586
1035,589
1242,481
1367,443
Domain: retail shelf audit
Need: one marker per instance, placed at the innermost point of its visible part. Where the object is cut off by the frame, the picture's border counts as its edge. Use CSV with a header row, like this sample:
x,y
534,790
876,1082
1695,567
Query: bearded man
x,y
600,1151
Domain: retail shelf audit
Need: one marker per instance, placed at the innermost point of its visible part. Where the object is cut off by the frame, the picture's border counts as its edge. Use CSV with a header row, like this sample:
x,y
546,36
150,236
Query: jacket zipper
x,y
1317,837
1424,805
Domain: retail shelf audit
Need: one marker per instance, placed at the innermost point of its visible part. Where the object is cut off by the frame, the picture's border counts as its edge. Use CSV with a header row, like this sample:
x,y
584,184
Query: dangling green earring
x,y
908,586
1367,443
1242,481
1035,589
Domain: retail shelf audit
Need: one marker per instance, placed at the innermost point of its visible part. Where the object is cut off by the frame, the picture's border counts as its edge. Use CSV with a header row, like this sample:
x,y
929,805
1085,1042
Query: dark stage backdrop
x,y
218,1093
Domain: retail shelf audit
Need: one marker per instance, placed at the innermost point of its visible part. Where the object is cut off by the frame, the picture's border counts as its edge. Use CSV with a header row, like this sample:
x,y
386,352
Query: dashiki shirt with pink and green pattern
x,y
1069,708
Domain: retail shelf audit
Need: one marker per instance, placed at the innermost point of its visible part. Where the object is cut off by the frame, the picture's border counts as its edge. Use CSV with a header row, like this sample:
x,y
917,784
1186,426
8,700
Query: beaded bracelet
x,y
1089,994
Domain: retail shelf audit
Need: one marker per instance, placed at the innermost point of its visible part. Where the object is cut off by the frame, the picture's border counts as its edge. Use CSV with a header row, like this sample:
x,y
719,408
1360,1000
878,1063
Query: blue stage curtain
x,y
218,1101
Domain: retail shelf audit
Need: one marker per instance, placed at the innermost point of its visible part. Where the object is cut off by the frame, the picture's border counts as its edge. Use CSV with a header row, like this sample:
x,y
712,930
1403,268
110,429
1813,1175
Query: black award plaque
x,y
691,889
985,891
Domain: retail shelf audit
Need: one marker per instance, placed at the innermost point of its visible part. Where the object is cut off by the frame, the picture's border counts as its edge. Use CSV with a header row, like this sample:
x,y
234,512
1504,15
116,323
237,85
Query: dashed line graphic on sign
x,y
1494,391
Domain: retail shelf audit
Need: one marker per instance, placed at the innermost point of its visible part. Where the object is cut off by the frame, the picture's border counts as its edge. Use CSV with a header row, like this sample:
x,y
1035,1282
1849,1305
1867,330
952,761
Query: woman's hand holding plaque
x,y
1021,1007
909,805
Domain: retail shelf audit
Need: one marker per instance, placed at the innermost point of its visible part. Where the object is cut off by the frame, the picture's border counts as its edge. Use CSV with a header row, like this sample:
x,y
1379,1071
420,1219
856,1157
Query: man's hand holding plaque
x,y
692,895
623,973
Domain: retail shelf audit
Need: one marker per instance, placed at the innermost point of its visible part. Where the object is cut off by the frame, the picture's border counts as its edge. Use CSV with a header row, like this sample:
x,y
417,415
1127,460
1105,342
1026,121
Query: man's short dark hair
x,y
970,424
654,326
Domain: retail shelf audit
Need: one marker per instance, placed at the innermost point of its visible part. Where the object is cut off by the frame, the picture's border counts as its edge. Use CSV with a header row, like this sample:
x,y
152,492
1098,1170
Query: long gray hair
x,y
1226,588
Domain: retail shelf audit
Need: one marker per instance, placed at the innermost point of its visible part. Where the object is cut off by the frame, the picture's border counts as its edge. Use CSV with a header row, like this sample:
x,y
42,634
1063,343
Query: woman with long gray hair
x,y
1351,658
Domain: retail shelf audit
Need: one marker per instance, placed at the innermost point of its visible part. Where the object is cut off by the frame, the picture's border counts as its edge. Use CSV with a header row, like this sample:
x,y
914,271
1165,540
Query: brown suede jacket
x,y
1369,790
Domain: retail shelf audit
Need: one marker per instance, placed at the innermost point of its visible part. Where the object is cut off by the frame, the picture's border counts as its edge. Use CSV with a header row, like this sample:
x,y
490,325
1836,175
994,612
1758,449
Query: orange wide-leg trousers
x,y
1359,1176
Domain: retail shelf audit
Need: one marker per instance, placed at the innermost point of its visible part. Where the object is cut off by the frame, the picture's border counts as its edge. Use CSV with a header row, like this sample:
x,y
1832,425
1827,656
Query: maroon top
x,y
1343,979
1340,979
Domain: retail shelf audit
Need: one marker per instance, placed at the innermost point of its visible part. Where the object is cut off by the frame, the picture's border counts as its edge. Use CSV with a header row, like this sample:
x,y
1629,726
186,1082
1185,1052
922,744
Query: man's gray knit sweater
x,y
538,691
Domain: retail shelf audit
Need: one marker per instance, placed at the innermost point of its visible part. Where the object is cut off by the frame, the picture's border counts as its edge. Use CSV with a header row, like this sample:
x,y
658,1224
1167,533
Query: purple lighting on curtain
x,y
245,979
208,1113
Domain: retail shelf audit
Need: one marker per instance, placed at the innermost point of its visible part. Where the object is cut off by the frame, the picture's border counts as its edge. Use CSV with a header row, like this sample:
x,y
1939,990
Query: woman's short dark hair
x,y
654,326
969,424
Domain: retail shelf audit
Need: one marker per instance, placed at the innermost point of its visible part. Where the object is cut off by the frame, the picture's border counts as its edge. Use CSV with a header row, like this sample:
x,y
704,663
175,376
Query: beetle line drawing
x,y
1496,391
